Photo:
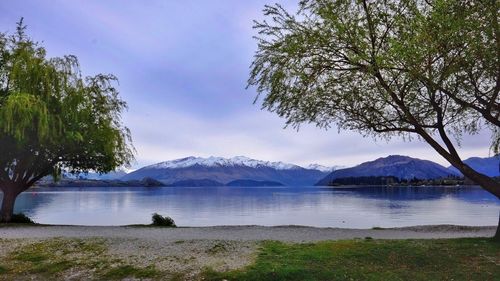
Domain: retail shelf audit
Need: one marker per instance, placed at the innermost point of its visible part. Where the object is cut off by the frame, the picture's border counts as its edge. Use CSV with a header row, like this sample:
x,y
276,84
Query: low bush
x,y
159,220
21,218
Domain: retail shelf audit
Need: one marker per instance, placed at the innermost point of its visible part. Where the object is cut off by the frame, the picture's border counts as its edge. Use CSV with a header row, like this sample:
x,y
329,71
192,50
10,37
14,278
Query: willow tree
x,y
411,68
52,118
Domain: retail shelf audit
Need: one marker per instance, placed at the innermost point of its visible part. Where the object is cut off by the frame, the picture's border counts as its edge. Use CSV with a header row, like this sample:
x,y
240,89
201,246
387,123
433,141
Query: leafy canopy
x,y
52,117
384,68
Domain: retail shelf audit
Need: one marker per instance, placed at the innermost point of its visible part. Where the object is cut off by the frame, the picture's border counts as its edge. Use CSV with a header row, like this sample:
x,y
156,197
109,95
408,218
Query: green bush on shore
x,y
159,220
21,218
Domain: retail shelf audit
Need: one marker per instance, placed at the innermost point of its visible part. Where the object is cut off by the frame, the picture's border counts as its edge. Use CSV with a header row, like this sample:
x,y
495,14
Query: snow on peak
x,y
320,168
222,162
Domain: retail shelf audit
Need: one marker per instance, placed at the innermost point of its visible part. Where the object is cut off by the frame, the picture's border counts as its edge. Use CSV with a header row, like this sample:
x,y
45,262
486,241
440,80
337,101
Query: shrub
x,y
159,220
21,218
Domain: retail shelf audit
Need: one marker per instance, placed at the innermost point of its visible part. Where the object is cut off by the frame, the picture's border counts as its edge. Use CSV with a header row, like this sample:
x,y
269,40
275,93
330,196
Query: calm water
x,y
313,206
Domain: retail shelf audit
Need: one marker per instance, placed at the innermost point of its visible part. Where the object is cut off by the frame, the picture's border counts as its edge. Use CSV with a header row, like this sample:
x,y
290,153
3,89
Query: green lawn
x,y
445,259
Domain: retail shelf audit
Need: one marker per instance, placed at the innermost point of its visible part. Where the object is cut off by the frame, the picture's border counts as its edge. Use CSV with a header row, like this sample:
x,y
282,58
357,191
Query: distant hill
x,y
146,182
489,166
372,180
225,170
401,167
115,175
253,183
195,183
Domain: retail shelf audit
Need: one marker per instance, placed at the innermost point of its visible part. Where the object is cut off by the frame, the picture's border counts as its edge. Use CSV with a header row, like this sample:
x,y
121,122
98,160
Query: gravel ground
x,y
188,257
188,250
243,233
182,258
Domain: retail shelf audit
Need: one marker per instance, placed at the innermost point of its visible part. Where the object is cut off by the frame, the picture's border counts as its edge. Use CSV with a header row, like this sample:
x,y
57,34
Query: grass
x,y
54,259
124,271
446,259
48,258
217,248
360,259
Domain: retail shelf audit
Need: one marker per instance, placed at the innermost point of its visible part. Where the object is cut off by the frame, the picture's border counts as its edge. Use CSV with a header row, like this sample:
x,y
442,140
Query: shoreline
x,y
284,233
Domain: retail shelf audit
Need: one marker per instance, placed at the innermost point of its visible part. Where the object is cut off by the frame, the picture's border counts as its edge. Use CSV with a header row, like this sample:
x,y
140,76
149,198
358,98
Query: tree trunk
x,y
9,198
497,234
486,183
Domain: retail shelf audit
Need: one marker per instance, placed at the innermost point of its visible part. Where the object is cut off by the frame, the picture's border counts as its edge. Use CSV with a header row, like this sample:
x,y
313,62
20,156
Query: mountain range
x,y
244,171
226,170
115,175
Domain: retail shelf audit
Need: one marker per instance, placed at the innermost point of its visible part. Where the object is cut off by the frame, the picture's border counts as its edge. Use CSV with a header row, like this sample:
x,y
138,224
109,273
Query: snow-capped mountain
x,y
114,175
225,170
222,162
322,168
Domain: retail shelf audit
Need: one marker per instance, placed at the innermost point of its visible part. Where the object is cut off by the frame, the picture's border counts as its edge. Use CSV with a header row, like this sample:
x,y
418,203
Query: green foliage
x,y
159,220
391,67
451,259
383,68
124,271
3,269
52,117
21,218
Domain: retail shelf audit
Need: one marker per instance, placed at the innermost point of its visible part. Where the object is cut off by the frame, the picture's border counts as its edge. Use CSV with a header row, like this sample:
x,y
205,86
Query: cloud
x,y
165,134
183,67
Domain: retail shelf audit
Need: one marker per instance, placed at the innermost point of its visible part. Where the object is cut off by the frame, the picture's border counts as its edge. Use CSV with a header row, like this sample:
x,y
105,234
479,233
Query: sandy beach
x,y
244,233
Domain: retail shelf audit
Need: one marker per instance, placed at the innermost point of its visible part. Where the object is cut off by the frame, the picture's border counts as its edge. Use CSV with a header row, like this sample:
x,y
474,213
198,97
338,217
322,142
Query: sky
x,y
182,69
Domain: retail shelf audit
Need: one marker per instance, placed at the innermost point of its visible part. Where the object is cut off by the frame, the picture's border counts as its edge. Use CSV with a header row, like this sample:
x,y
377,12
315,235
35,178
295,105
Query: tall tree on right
x,y
407,68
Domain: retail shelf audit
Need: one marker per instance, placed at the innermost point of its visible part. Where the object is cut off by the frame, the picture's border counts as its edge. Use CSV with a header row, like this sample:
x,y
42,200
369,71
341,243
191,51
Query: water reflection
x,y
314,206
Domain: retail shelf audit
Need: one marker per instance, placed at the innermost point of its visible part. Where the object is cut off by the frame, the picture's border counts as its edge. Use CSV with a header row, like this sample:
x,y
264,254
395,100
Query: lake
x,y
362,207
